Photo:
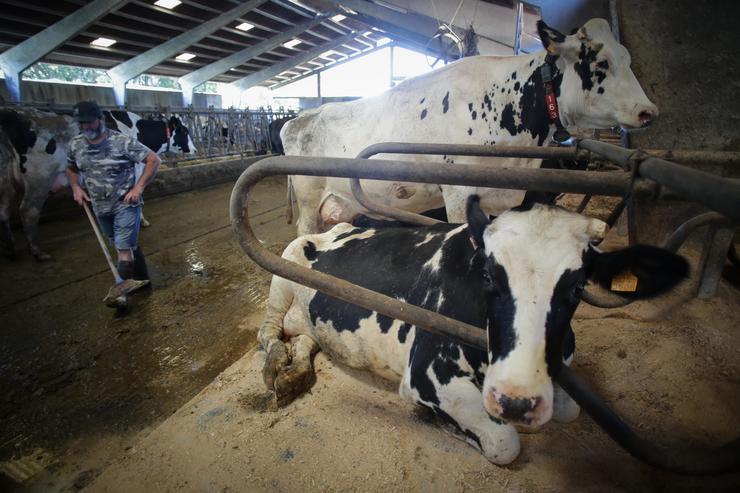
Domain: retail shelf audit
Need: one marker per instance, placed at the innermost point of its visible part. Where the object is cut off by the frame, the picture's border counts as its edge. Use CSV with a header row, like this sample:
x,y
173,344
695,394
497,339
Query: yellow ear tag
x,y
625,282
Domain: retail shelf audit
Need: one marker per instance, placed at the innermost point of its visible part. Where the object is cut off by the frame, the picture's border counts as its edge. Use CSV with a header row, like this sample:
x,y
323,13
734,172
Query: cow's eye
x,y
577,291
603,64
488,284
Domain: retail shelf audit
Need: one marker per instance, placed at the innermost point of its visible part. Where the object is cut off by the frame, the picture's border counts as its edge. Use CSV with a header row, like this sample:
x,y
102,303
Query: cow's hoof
x,y
41,256
292,382
275,362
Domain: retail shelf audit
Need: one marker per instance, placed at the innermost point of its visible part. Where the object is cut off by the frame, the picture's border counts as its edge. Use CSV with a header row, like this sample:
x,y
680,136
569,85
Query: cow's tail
x,y
290,196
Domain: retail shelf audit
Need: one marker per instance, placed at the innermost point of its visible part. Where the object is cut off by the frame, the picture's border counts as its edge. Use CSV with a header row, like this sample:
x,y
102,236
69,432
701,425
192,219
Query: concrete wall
x,y
41,92
168,181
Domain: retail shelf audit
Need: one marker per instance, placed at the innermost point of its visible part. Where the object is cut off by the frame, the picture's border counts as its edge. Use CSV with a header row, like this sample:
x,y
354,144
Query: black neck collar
x,y
548,71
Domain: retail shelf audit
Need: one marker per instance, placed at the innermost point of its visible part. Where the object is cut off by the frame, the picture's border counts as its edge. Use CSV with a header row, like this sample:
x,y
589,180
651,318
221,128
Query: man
x,y
107,158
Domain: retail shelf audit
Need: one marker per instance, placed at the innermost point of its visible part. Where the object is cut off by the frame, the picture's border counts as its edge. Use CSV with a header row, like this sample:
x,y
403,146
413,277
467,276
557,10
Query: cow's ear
x,y
477,220
640,271
551,38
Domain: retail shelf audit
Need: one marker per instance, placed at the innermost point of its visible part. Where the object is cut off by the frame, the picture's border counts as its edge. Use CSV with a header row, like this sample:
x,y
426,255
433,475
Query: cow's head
x,y
598,89
537,260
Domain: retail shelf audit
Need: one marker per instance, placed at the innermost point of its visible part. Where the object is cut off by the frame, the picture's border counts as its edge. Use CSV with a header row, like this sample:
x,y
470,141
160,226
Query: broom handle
x,y
94,224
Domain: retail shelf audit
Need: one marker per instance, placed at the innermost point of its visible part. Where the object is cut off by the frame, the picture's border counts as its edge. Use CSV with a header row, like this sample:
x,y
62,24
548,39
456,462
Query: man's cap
x,y
86,111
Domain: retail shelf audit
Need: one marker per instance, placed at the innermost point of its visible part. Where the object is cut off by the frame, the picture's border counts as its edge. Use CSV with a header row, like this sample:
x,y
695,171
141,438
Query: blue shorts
x,y
122,226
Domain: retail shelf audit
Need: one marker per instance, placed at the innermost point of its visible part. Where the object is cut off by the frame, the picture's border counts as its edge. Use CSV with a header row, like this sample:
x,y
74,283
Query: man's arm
x,y
151,164
73,175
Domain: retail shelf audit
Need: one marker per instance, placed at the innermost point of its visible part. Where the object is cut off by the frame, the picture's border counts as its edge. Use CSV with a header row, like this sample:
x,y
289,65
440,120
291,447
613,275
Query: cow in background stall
x,y
33,156
481,100
158,135
276,143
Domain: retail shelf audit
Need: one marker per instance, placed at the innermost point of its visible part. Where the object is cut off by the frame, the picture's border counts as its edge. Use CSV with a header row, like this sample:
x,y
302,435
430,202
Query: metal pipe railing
x,y
698,462
564,153
717,193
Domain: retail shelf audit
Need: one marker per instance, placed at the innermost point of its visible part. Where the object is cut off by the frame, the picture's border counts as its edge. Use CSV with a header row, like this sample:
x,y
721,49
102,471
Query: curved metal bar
x,y
698,462
679,236
570,153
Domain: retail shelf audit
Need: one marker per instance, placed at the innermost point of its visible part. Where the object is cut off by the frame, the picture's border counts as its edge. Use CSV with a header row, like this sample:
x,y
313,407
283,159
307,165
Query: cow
x,y
519,277
481,100
157,135
276,143
33,156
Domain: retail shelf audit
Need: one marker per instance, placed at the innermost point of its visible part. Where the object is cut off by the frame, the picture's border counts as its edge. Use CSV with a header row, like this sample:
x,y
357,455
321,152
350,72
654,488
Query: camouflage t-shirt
x,y
108,167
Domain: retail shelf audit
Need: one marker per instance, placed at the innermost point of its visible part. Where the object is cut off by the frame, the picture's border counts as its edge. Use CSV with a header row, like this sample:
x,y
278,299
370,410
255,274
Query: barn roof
x,y
148,36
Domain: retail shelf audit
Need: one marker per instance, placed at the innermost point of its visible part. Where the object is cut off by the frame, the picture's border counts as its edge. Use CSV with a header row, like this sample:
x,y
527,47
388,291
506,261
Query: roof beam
x,y
203,74
17,59
422,27
253,79
126,71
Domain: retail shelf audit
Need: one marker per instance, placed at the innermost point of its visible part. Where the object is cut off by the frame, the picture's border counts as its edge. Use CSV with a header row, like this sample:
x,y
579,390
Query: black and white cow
x,y
33,150
158,135
480,100
519,277
276,143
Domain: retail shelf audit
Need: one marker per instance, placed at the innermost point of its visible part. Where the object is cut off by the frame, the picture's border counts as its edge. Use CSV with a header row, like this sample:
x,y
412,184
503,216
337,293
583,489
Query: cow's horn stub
x,y
596,229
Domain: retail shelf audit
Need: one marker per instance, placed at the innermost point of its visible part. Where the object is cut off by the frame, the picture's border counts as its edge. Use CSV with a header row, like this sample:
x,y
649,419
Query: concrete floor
x,y
80,384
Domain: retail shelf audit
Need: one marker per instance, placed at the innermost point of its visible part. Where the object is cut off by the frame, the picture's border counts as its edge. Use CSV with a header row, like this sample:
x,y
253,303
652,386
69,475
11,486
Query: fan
x,y
444,46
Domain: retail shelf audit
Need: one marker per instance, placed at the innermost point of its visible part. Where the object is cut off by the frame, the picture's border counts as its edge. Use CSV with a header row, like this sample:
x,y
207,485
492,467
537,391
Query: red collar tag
x,y
552,106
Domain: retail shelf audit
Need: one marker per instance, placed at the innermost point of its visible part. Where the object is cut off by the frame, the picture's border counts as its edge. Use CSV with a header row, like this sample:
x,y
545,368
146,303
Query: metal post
x,y
713,258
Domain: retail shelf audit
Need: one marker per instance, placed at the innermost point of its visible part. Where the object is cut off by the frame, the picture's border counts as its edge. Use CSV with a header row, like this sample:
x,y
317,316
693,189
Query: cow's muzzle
x,y
530,411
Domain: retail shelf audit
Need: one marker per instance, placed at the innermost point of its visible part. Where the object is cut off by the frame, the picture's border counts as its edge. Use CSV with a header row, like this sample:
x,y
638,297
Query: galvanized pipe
x,y
566,153
715,461
719,194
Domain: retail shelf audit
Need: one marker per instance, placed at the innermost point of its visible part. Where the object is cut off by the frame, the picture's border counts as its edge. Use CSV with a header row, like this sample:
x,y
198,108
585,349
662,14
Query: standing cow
x,y
158,135
480,100
33,156
518,277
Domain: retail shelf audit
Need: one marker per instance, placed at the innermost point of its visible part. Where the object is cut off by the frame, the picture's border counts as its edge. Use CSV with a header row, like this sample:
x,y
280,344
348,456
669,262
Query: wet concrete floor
x,y
81,384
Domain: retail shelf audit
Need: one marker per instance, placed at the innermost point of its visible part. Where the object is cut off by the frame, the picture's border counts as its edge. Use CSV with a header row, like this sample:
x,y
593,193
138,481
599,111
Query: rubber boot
x,y
141,272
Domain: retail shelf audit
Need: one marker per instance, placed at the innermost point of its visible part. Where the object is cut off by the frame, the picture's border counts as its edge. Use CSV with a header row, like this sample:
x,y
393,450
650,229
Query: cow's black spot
x,y
474,115
403,332
51,146
470,106
531,62
384,322
346,234
513,76
121,116
487,101
502,307
152,133
18,130
503,90
446,102
559,337
309,251
507,119
516,86
423,114
422,100
532,105
470,131
600,90
600,76
586,56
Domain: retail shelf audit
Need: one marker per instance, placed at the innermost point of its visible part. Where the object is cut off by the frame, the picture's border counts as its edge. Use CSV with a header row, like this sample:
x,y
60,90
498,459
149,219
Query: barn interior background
x,y
166,396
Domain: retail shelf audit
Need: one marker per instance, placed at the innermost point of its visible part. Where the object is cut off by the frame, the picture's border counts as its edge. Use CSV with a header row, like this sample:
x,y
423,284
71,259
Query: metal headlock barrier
x,y
214,131
645,177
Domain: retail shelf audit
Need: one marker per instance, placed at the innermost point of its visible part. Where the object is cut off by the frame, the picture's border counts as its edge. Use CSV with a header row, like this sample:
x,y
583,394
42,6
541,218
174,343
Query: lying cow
x,y
519,277
33,148
481,100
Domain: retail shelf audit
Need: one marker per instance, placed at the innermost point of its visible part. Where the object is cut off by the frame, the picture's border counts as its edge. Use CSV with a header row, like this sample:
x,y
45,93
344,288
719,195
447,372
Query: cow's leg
x,y
7,243
564,408
30,210
288,371
460,403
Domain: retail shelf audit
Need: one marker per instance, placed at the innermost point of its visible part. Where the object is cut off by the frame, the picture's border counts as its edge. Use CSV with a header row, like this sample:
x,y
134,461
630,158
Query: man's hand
x,y
80,195
134,195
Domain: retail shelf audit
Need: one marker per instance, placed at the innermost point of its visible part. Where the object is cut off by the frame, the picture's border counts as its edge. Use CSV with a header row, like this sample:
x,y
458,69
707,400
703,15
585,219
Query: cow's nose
x,y
646,118
516,409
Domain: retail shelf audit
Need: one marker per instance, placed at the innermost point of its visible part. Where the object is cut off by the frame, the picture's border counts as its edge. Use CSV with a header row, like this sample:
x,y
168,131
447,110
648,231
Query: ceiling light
x,y
105,42
292,43
168,4
184,57
245,26
338,18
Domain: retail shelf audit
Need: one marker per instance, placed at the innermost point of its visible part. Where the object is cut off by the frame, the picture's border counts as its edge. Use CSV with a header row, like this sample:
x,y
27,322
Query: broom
x,y
122,286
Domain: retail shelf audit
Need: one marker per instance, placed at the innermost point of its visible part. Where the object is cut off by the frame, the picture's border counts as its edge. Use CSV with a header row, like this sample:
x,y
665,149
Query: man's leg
x,y
126,235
